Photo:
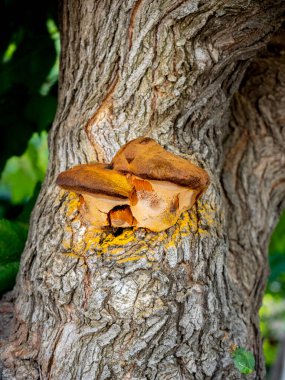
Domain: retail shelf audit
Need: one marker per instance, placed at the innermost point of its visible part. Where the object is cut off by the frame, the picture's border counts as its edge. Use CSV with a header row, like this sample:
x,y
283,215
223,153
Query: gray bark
x,y
6,321
169,305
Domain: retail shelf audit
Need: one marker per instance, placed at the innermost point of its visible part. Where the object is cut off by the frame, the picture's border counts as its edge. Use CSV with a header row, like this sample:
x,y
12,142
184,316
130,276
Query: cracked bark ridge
x,y
99,305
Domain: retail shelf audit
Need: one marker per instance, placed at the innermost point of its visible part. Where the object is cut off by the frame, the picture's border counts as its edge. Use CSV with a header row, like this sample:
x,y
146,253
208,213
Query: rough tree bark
x,y
169,305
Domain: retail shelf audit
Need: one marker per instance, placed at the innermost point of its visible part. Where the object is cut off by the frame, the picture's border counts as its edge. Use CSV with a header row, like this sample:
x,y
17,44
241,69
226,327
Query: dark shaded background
x,y
23,109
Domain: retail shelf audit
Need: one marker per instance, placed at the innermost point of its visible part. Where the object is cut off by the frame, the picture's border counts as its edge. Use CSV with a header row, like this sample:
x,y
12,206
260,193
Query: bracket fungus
x,y
144,186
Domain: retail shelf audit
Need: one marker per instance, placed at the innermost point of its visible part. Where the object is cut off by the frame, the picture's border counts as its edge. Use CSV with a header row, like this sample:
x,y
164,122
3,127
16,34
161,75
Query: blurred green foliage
x,y
21,174
29,61
276,283
272,312
12,240
272,325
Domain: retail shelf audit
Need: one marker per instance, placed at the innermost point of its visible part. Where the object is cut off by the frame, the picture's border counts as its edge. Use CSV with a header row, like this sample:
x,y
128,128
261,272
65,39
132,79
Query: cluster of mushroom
x,y
144,186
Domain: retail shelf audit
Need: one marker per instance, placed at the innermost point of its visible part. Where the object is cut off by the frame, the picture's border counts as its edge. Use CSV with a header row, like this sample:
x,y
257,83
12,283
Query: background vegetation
x,y
29,58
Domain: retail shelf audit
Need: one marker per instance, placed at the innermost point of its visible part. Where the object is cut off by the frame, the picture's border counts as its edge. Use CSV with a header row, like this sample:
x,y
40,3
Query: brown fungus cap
x,y
145,158
144,186
95,179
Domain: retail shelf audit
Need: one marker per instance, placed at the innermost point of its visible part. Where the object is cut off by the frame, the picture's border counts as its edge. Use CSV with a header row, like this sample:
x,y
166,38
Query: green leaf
x,y
8,273
38,153
12,240
244,360
21,174
9,52
18,179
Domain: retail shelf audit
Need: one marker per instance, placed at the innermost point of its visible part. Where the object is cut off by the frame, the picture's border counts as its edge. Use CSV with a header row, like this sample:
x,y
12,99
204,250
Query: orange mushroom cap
x,y
145,158
95,179
144,185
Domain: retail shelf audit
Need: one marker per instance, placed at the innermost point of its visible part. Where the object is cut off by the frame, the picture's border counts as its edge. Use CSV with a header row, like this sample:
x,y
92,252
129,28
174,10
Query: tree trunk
x,y
138,304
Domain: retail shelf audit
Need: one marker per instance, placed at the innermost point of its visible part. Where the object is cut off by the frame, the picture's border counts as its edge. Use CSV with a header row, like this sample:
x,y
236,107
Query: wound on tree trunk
x,y
144,186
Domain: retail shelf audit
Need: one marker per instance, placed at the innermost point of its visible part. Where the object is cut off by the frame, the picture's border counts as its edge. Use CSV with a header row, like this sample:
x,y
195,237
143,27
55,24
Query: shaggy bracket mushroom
x,y
144,186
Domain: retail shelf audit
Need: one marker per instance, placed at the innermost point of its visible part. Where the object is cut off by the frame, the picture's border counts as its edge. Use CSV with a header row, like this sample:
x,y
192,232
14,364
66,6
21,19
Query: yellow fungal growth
x,y
133,258
207,213
126,237
92,238
72,255
73,204
67,238
81,240
207,217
